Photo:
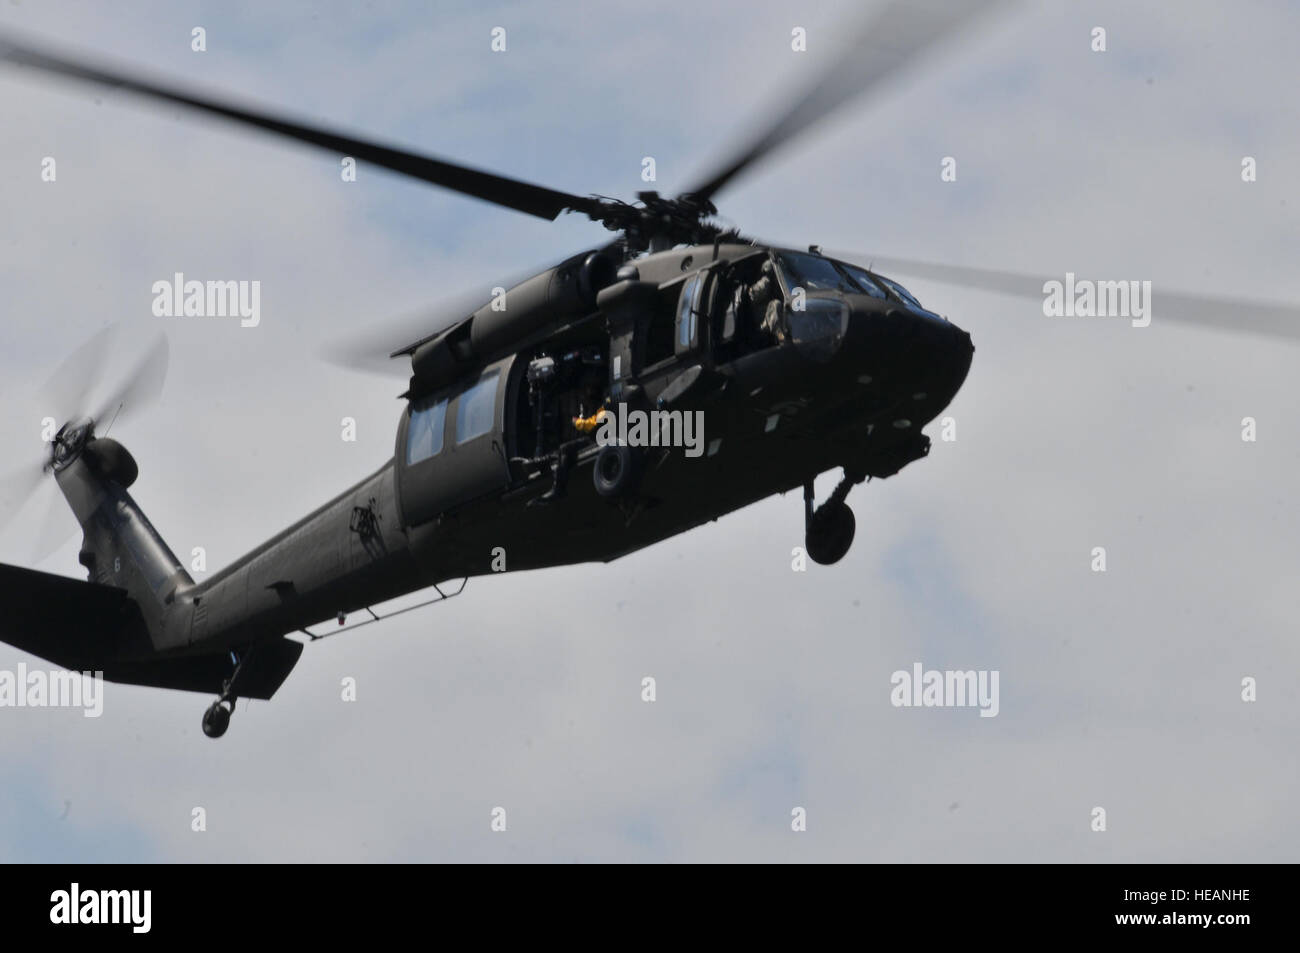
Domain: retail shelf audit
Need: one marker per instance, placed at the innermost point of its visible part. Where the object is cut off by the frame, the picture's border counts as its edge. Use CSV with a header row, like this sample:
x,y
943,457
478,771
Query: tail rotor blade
x,y
65,393
57,526
15,490
141,387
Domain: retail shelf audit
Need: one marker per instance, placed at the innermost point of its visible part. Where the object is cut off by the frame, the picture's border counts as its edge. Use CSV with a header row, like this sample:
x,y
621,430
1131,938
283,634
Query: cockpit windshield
x,y
899,290
863,278
815,273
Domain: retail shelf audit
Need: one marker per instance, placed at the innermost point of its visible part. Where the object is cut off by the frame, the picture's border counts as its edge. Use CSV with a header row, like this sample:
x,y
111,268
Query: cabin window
x,y
424,432
476,409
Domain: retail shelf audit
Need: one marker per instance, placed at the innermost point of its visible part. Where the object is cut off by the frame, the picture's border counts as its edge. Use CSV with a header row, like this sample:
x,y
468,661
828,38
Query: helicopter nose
x,y
912,354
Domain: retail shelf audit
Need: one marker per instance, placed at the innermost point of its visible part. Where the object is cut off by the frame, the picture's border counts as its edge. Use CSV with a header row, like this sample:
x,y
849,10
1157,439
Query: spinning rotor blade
x,y
57,526
901,34
361,350
64,394
64,397
139,388
370,348
15,489
1222,314
500,190
373,347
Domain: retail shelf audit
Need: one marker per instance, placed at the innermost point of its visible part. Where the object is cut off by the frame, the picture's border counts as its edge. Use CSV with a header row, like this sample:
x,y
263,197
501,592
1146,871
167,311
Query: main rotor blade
x,y
899,36
138,389
500,190
1267,318
372,348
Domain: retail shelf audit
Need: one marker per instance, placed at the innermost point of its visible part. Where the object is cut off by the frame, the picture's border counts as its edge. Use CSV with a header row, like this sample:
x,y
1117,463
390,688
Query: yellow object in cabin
x,y
588,424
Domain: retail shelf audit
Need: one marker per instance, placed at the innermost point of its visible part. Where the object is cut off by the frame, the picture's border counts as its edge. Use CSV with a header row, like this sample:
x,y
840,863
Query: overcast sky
x,y
1119,690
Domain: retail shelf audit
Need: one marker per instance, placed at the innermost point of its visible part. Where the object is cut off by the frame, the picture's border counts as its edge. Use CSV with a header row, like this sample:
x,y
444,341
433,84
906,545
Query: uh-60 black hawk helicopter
x,y
800,363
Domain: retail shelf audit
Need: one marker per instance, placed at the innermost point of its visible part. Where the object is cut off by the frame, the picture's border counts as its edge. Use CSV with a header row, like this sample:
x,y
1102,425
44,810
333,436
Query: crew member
x,y
765,303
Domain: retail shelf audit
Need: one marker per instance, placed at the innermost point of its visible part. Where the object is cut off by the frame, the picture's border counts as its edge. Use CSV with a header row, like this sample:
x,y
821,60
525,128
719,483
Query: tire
x,y
830,534
216,720
616,472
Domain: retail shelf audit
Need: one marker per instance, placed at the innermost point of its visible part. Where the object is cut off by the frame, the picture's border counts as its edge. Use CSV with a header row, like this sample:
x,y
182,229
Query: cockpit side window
x,y
424,431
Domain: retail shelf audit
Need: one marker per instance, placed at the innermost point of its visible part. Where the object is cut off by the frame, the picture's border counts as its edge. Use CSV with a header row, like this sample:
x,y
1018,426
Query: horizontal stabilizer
x,y
84,626
74,624
265,669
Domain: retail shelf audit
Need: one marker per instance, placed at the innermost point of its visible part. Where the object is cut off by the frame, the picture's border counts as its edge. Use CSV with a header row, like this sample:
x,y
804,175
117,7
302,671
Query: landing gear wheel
x,y
216,720
830,533
828,529
616,472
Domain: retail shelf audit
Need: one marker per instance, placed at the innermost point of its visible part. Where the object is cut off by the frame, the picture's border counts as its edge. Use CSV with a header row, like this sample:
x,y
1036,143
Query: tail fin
x,y
120,547
135,581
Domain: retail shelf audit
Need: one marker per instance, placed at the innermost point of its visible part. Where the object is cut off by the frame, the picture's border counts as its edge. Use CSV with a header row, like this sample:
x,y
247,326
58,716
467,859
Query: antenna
x,y
114,419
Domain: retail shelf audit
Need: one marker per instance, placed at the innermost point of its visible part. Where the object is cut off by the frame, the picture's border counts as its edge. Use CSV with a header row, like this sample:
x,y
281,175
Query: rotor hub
x,y
657,221
70,441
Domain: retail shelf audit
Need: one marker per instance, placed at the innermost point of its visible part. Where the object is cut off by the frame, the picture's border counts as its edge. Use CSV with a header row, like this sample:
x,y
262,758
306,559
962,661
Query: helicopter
x,y
552,422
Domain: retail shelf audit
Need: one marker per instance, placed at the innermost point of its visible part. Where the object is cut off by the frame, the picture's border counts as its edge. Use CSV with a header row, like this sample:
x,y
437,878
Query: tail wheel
x,y
617,471
216,720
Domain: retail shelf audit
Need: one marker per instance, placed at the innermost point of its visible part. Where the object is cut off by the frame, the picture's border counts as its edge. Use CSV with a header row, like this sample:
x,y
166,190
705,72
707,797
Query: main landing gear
x,y
828,530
